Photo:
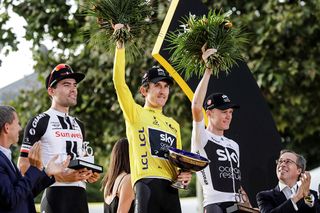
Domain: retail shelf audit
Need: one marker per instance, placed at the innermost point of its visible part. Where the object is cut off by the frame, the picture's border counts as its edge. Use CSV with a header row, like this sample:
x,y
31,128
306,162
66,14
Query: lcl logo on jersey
x,y
226,156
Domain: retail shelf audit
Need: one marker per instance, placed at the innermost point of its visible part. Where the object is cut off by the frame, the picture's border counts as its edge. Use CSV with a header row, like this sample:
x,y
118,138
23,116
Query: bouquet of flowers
x,y
135,15
212,31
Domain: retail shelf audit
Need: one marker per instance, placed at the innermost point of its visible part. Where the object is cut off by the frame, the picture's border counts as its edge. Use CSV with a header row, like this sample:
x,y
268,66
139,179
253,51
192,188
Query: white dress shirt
x,y
290,192
7,153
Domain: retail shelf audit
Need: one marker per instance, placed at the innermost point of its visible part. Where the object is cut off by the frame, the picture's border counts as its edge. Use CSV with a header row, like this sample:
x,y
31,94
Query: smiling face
x,y
156,95
219,120
287,169
64,95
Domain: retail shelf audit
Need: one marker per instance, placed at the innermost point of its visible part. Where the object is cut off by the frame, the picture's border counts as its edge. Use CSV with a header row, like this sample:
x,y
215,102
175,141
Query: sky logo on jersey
x,y
224,167
160,142
167,138
226,156
232,169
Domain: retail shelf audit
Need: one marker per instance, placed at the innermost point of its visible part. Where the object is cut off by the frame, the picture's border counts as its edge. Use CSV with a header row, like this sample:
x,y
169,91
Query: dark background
x,y
252,126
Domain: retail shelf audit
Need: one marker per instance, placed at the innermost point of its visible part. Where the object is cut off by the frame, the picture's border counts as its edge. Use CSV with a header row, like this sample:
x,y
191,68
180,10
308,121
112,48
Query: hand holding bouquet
x,y
134,15
214,31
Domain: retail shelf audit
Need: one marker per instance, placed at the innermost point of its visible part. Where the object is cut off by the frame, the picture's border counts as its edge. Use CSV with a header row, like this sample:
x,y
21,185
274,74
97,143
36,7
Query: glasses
x,y
56,69
285,161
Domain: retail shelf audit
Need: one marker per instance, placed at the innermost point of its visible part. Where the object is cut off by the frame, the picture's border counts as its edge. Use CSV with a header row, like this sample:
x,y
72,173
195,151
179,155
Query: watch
x,y
309,198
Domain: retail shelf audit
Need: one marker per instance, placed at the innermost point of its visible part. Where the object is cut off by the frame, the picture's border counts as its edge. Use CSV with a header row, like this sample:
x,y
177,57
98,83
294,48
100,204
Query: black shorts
x,y
217,207
64,199
155,195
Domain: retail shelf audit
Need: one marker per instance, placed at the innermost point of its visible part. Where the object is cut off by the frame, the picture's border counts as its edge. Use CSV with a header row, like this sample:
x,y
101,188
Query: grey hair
x,y
6,115
301,161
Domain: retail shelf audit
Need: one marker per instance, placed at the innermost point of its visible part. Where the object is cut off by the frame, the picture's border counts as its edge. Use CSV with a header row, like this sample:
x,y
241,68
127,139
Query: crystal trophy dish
x,y
186,161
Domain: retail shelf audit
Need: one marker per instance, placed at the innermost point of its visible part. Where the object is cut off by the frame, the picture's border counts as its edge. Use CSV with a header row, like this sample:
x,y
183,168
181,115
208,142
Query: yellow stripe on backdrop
x,y
166,64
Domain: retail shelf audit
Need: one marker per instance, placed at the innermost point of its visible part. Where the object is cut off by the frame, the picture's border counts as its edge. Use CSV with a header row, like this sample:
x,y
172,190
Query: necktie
x,y
287,192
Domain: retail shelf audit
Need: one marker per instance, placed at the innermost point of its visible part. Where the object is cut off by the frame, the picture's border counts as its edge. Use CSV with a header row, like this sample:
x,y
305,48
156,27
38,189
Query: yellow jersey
x,y
149,132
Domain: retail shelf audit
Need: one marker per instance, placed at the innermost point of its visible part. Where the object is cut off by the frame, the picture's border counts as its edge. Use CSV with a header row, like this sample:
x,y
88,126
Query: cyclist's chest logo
x,y
171,127
160,142
155,121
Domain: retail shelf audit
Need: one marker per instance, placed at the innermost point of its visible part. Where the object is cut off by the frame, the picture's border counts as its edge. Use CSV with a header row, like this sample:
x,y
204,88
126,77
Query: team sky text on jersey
x,y
224,171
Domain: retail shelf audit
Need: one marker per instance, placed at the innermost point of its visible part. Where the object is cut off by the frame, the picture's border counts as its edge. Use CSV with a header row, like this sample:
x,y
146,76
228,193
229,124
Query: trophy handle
x,y
179,185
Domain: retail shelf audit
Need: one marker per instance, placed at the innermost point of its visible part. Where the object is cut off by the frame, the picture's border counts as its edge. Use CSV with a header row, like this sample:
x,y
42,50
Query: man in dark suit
x,y
17,192
293,193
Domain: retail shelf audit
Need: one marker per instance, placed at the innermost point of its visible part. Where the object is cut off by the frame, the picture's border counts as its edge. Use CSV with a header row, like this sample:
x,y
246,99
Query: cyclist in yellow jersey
x,y
150,134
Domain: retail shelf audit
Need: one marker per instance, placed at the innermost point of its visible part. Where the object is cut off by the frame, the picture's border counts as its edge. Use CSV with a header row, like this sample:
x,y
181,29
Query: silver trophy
x,y
86,160
186,161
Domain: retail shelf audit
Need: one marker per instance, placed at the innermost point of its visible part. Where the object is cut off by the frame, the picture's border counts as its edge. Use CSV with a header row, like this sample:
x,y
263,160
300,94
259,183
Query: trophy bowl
x,y
186,161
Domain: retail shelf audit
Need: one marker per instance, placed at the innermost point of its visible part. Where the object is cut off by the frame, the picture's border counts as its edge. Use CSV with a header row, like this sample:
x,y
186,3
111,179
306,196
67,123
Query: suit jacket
x,y
275,201
17,192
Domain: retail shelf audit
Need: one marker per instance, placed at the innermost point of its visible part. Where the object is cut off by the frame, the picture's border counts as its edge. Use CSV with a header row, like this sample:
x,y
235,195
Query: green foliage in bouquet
x,y
212,31
135,15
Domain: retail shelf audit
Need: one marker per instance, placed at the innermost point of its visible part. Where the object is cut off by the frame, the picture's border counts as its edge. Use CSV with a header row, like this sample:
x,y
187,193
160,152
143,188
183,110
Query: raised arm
x,y
200,93
124,94
199,96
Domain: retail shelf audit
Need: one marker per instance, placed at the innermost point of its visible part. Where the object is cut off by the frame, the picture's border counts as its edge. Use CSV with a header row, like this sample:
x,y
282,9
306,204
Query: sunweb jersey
x,y
220,180
60,134
149,132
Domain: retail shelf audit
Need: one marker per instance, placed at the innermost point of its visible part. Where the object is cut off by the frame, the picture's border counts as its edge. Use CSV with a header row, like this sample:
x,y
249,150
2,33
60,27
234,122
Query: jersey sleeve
x,y
124,95
33,132
198,138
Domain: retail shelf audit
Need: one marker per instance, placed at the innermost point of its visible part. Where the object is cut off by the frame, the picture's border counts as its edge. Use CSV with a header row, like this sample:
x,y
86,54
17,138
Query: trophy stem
x,y
179,185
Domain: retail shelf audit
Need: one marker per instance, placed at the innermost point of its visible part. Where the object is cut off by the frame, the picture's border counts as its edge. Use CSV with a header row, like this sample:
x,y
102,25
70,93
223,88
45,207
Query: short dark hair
x,y
301,161
6,115
146,86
